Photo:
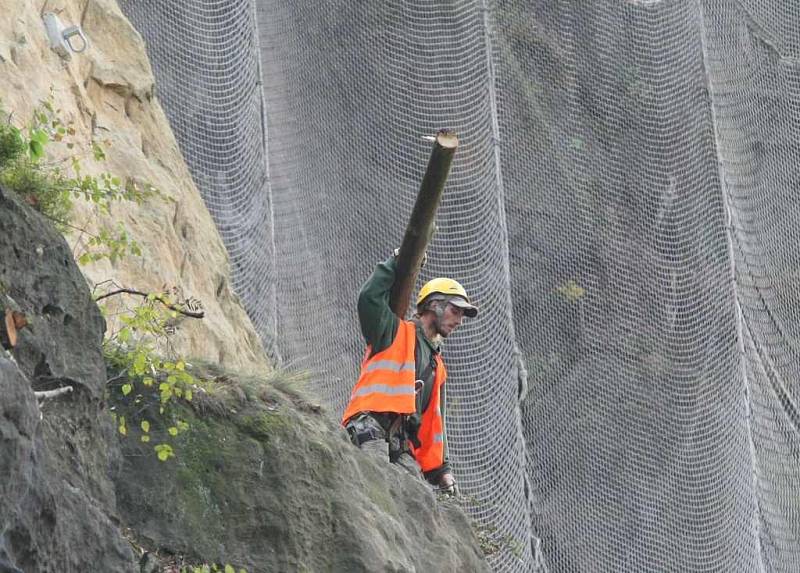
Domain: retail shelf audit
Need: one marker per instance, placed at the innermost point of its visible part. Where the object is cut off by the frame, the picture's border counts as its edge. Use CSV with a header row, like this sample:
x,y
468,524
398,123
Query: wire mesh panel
x,y
622,208
350,91
752,51
635,421
205,60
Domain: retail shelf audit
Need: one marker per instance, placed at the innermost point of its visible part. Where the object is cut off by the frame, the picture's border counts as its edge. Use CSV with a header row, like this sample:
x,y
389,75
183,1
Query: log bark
x,y
421,226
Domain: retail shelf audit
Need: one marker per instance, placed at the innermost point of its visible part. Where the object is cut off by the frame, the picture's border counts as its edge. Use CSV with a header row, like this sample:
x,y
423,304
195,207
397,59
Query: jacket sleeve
x,y
378,322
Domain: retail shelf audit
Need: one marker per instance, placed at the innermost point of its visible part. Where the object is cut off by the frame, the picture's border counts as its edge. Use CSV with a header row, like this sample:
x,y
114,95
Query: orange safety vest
x,y
386,384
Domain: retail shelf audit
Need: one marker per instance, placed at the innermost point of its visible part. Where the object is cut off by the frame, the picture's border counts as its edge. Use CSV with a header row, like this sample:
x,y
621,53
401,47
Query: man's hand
x,y
396,252
447,484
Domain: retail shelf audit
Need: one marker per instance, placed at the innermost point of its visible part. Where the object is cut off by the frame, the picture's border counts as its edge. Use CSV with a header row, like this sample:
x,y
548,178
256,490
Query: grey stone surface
x,y
56,499
263,479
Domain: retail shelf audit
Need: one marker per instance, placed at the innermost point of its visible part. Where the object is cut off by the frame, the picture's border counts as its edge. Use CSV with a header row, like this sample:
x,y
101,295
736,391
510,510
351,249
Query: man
x,y
397,405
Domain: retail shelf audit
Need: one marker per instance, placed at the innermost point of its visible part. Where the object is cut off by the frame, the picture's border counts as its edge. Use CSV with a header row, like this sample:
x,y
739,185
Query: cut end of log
x,y
10,338
447,139
20,320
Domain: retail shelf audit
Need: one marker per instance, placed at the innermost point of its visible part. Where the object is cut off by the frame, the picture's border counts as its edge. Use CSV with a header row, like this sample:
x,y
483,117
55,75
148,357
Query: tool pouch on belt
x,y
397,438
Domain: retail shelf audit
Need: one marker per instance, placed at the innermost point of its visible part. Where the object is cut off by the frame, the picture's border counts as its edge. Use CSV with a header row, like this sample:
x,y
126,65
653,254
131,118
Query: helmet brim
x,y
470,310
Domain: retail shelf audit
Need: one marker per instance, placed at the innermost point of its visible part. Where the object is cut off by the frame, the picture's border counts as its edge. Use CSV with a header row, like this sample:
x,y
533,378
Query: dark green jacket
x,y
379,327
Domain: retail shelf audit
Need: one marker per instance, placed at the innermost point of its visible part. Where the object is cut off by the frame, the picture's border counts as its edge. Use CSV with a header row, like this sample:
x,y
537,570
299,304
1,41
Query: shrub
x,y
12,144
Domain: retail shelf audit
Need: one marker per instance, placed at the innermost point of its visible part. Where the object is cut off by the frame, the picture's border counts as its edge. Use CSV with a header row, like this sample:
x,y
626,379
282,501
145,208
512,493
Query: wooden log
x,y
8,332
421,226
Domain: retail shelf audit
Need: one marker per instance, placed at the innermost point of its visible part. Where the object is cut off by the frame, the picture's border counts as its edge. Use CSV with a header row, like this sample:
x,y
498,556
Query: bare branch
x,y
159,298
45,394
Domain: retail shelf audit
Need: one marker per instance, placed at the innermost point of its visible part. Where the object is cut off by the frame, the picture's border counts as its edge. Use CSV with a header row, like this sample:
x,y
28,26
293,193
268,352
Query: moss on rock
x,y
265,479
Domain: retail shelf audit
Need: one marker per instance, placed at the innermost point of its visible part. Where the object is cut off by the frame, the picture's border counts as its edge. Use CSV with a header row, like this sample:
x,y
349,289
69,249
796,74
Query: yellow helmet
x,y
452,290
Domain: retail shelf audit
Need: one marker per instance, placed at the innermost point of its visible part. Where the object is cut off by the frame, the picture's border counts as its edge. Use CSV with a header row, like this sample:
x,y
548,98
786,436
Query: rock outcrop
x,y
55,459
107,95
265,480
262,478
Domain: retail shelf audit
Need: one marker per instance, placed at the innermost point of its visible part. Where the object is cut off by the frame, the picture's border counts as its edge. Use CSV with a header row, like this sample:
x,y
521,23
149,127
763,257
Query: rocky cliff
x,y
107,96
262,478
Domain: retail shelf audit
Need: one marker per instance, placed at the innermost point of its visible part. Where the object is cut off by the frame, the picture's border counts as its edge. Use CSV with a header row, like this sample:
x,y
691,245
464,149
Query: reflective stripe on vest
x,y
390,365
386,383
382,389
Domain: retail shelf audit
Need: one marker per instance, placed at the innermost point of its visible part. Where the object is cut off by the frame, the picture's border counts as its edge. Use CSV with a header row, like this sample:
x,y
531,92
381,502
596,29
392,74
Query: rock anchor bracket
x,y
62,38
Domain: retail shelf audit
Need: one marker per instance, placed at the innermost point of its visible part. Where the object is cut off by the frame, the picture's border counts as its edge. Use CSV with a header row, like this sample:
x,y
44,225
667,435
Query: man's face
x,y
450,320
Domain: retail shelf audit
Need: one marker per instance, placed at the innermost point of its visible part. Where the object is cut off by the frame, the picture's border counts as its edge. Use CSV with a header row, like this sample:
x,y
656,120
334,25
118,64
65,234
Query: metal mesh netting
x,y
205,58
621,208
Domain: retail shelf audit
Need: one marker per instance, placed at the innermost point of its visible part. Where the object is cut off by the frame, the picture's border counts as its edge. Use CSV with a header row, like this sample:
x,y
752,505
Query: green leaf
x,y
140,364
126,389
229,569
188,395
124,335
40,136
35,150
145,439
147,381
173,431
99,154
145,426
164,452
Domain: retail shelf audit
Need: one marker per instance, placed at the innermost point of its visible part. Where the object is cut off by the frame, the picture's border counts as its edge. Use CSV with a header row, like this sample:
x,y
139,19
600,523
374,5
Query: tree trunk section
x,y
421,224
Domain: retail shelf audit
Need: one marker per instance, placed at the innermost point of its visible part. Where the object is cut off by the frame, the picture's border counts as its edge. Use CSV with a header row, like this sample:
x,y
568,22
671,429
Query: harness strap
x,y
427,381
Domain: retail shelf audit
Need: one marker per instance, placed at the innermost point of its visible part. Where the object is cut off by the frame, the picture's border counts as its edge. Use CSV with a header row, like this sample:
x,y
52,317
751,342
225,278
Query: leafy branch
x,y
144,377
155,297
49,188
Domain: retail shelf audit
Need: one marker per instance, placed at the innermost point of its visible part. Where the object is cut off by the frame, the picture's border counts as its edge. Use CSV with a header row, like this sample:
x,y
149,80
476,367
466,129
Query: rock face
x,y
106,94
264,480
55,491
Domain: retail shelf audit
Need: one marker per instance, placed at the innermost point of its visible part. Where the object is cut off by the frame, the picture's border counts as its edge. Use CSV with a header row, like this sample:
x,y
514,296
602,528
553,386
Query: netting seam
x,y
491,84
729,238
272,345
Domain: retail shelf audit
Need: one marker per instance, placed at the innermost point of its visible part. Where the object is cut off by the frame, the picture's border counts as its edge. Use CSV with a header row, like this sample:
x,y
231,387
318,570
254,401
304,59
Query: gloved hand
x,y
447,484
424,257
